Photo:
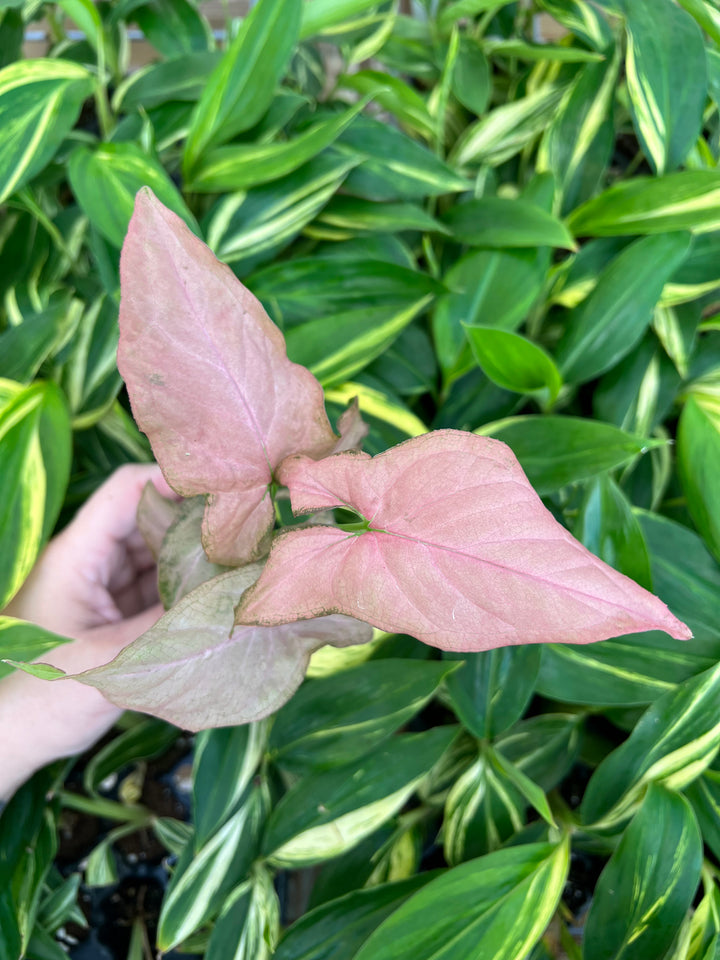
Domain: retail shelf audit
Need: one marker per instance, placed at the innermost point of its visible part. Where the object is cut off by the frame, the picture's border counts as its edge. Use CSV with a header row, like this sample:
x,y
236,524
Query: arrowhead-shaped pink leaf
x,y
460,553
194,670
210,382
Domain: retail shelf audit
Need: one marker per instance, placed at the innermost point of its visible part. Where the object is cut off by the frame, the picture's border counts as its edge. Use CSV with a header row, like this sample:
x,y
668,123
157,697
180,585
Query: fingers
x,y
110,513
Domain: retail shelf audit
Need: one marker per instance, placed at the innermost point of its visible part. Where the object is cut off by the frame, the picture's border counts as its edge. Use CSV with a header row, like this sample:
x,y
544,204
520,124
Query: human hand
x,y
95,582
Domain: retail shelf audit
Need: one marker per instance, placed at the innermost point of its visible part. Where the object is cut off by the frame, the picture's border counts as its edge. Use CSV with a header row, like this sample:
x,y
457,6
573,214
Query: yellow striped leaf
x,y
24,641
34,468
39,103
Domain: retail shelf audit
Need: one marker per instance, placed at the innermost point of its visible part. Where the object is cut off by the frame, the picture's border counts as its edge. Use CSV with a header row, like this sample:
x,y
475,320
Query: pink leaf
x,y
460,553
194,670
210,382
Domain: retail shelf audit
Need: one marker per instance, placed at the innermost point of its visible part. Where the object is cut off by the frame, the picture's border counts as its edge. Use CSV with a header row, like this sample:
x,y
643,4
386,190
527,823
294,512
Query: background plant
x,y
511,237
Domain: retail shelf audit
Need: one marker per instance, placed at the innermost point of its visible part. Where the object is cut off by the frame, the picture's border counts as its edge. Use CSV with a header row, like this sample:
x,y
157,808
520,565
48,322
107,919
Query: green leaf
x,y
327,813
246,229
482,811
334,720
173,27
183,77
645,890
85,15
238,166
204,877
667,80
393,95
20,640
629,671
704,795
532,793
698,453
359,216
606,326
40,101
34,470
507,129
500,222
543,747
471,79
242,86
686,578
689,200
321,15
106,179
461,9
540,51
144,740
491,287
393,166
492,689
514,363
337,346
224,763
578,144
674,741
582,19
554,451
607,526
24,347
339,928
305,288
390,420
494,908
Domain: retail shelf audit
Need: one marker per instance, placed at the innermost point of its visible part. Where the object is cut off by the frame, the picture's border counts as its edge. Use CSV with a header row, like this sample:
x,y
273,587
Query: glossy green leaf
x,y
606,326
674,741
174,27
338,929
578,144
580,17
490,287
247,928
181,78
482,810
460,9
667,80
534,796
543,747
554,451
507,129
25,346
336,719
704,795
492,689
106,179
321,15
499,222
540,51
698,454
327,813
337,346
394,95
607,526
39,103
225,761
624,672
242,86
471,80
34,470
494,908
202,879
689,200
686,578
306,288
513,362
705,16
358,216
248,228
393,166
20,640
645,890
238,166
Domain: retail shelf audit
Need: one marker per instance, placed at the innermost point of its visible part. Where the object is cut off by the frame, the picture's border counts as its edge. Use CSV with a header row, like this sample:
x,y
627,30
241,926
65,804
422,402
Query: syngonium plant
x,y
449,544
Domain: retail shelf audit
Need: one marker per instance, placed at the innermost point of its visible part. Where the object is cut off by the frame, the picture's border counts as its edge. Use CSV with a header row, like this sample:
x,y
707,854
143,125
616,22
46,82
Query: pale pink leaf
x,y
193,669
210,382
460,553
352,429
155,516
